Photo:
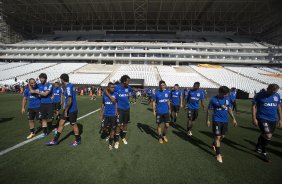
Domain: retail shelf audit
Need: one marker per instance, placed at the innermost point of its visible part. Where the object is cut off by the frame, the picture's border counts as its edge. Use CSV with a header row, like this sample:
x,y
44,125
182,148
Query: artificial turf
x,y
143,160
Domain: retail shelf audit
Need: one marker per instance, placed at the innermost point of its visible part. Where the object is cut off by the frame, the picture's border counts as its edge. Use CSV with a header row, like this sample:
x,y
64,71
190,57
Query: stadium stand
x,y
82,78
223,76
172,77
24,69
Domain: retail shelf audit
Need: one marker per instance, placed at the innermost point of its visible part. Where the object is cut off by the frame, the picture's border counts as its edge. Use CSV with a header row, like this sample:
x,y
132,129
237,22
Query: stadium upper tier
x,y
146,52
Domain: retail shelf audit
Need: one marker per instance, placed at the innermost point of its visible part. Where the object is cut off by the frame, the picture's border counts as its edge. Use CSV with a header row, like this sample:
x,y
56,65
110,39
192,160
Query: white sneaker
x,y
107,139
110,147
124,141
116,145
189,133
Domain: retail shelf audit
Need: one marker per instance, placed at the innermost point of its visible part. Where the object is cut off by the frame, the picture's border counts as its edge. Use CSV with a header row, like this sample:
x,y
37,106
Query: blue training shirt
x,y
233,95
193,99
109,106
161,98
267,106
123,94
70,92
150,92
57,92
220,109
175,97
34,100
43,88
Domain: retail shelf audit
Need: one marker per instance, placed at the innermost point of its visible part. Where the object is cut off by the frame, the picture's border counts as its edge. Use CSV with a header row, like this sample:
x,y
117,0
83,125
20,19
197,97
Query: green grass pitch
x,y
143,160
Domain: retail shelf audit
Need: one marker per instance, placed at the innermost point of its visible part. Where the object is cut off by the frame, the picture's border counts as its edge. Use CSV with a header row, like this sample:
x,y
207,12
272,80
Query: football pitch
x,y
182,160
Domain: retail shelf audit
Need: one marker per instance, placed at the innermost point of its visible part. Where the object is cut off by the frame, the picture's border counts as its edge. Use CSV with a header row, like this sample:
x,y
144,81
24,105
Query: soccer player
x,y
221,107
123,91
46,107
185,94
233,95
70,113
161,109
195,95
33,106
175,103
134,95
109,113
150,95
57,99
266,111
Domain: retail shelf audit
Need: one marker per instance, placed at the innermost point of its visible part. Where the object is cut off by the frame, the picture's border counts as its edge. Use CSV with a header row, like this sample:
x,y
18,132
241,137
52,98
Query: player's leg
x,y
190,116
31,117
117,131
73,122
159,128
217,131
60,129
267,129
166,125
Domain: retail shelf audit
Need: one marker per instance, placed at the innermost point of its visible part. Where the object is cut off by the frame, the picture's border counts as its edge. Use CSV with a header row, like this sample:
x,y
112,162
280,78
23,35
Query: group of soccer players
x,y
115,110
44,103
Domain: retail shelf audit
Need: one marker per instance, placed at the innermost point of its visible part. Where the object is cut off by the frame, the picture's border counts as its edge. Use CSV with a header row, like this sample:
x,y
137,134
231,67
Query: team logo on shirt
x,y
275,98
166,95
45,88
57,91
227,102
198,94
126,90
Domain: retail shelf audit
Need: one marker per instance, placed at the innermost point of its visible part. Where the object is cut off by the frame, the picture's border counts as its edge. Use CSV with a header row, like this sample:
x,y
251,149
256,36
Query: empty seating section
x,y
137,72
82,78
256,74
6,66
146,51
171,77
230,79
24,69
54,72
271,70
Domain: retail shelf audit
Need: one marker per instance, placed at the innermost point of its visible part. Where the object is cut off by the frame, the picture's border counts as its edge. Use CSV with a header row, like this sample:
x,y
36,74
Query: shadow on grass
x,y
231,143
273,151
148,130
178,127
3,120
80,127
195,141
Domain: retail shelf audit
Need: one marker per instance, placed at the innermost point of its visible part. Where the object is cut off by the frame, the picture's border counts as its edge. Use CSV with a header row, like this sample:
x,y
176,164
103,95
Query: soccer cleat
x,y
110,147
219,158
116,145
265,157
42,136
124,141
31,135
75,143
189,133
165,139
161,141
51,143
107,138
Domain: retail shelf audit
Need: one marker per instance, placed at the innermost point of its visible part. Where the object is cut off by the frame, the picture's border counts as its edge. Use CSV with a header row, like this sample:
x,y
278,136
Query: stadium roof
x,y
261,17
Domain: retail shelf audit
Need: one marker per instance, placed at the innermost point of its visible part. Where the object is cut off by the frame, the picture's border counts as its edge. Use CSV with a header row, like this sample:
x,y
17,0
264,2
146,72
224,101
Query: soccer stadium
x,y
140,91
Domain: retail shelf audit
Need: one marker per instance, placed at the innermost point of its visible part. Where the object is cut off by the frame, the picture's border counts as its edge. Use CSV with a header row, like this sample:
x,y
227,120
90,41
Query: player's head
x,y
272,88
223,91
196,86
32,82
124,80
233,89
176,86
111,87
57,84
43,78
64,78
162,85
